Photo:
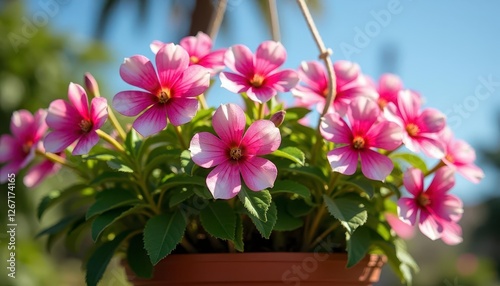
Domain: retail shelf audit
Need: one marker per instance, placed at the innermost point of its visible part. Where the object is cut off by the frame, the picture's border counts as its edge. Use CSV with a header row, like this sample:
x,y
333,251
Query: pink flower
x,y
436,212
460,156
18,150
170,95
350,83
39,172
235,152
421,127
258,74
389,86
75,121
200,52
364,133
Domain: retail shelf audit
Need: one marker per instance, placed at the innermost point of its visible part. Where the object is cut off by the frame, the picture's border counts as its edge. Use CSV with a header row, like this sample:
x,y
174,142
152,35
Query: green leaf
x,y
110,199
105,219
362,185
182,181
162,234
56,196
155,163
285,222
219,220
311,173
110,176
138,259
179,195
358,245
349,210
266,227
99,260
256,203
75,234
133,142
60,226
412,159
238,240
118,165
187,164
296,113
292,187
291,153
298,208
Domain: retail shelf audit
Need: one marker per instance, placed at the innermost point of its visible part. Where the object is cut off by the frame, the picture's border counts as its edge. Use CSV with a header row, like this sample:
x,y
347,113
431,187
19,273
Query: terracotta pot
x,y
272,268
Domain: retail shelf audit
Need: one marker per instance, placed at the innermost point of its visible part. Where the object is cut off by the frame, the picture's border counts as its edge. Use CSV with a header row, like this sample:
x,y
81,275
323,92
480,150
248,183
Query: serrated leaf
x,y
349,210
110,199
219,220
292,187
59,226
298,208
179,195
120,166
361,184
182,181
358,245
285,221
238,239
138,259
105,219
99,260
291,153
56,196
162,234
256,203
266,227
412,159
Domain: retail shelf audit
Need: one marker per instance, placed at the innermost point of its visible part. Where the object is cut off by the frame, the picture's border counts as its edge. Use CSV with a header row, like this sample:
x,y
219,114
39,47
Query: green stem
x,y
435,168
116,124
262,110
178,132
105,136
203,101
324,234
56,159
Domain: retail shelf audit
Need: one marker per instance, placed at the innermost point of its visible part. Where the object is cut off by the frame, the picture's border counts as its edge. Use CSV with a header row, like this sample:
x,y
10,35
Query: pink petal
x,y
10,168
57,141
78,98
85,143
402,229
239,58
258,173
171,61
261,94
431,121
452,234
461,152
214,61
261,138
389,86
269,56
229,123
408,210
151,121
139,71
98,112
40,172
197,46
409,105
283,81
62,116
207,150
233,82
443,181
343,160
132,102
224,182
21,124
335,129
431,146
386,135
374,165
314,75
306,96
193,82
413,180
8,147
155,46
345,72
362,114
181,110
429,226
40,124
471,172
452,208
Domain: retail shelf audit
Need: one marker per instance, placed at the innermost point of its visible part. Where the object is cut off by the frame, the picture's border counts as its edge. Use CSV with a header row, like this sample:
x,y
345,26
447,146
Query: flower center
x,y
257,80
85,125
423,200
27,146
358,142
325,92
450,158
163,97
382,103
194,59
235,153
412,129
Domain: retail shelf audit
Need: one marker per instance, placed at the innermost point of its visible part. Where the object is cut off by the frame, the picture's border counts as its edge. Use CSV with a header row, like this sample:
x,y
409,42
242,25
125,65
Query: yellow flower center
x,y
85,125
27,146
412,129
194,59
257,80
164,96
235,153
358,142
450,158
423,200
382,103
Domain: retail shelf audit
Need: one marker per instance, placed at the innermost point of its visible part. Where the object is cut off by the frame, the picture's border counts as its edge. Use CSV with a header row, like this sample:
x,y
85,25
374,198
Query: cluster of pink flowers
x,y
366,122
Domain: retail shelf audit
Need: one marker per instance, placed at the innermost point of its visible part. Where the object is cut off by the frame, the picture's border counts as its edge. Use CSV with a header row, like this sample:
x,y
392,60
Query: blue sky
x,y
449,51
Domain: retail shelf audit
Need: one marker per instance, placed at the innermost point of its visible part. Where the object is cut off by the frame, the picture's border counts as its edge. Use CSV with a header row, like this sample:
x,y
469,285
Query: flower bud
x,y
91,85
278,118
